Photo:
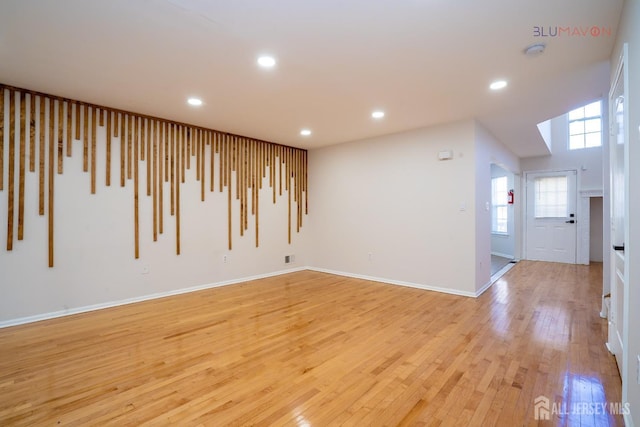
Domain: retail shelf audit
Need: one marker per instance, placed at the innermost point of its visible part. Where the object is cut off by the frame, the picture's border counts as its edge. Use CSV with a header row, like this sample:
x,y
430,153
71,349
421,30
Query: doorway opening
x,y
503,229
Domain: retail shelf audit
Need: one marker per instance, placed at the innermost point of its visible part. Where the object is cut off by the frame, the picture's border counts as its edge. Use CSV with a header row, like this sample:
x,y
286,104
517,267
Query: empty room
x,y
319,213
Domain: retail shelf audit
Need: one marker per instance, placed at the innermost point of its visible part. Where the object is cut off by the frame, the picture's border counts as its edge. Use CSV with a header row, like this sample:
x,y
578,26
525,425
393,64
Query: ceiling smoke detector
x,y
534,49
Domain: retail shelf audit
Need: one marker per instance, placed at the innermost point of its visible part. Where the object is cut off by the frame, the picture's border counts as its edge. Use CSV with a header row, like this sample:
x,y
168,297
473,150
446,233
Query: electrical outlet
x,y
145,269
224,259
288,259
370,256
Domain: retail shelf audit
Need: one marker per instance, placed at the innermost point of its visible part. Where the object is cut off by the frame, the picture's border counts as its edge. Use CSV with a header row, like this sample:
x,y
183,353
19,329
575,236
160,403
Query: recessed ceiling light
x,y
196,102
266,61
377,114
498,84
305,132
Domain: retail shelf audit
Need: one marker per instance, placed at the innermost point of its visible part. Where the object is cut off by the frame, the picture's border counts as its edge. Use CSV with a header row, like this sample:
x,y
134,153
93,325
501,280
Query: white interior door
x,y
618,142
551,216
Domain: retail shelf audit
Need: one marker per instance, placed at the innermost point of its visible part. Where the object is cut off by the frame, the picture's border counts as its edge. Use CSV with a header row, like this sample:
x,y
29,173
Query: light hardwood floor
x,y
313,349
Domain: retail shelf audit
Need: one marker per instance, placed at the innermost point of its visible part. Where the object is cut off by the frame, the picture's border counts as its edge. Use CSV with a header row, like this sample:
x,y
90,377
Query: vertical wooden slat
x,y
272,170
108,148
161,143
149,156
32,133
136,210
202,166
52,154
143,125
1,138
173,172
188,142
77,108
228,180
299,187
166,153
212,140
22,159
93,150
280,163
179,153
153,130
236,168
197,144
306,183
116,128
183,153
101,115
122,149
12,167
256,204
85,138
130,121
223,161
41,158
69,122
246,176
193,141
241,188
60,137
288,189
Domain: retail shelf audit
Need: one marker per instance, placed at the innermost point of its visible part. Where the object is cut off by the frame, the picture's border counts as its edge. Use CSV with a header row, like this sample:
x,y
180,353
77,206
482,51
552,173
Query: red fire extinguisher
x,y
510,197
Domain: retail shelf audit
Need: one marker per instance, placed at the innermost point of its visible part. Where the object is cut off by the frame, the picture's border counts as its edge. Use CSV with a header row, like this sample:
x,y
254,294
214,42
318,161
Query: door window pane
x,y
551,197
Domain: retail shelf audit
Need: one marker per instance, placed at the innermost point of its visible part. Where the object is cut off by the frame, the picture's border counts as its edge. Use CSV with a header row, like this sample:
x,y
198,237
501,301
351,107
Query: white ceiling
x,y
423,61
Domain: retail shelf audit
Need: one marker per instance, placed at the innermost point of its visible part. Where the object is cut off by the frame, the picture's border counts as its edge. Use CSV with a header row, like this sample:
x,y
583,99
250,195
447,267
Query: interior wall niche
x,y
40,130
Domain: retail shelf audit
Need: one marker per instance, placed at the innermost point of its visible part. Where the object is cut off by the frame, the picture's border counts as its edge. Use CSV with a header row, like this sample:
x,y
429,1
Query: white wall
x,y
392,198
629,33
94,242
488,151
387,208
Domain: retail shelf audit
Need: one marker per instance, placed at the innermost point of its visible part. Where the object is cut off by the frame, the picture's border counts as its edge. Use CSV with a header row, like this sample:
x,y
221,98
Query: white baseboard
x,y
84,309
397,282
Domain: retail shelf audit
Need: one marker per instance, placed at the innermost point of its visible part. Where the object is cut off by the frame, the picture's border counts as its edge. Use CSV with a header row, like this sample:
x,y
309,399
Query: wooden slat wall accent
x,y
179,149
69,137
167,147
136,210
32,133
173,169
94,111
123,122
108,149
41,159
11,168
50,201
85,138
154,132
23,154
161,144
60,137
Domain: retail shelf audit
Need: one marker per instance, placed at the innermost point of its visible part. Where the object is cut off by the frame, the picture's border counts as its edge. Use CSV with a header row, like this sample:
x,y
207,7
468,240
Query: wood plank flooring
x,y
313,349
